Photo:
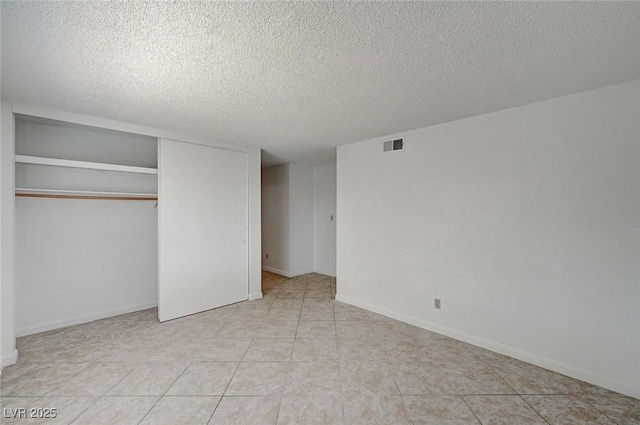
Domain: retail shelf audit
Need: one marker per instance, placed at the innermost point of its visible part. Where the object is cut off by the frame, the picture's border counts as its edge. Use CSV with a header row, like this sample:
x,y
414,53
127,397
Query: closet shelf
x,y
84,194
24,159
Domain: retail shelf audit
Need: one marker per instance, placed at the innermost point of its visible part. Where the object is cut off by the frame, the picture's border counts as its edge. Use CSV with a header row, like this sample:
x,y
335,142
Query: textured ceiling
x,y
300,78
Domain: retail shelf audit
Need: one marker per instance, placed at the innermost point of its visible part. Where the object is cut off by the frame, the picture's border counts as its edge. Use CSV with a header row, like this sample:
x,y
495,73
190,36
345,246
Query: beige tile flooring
x,y
294,357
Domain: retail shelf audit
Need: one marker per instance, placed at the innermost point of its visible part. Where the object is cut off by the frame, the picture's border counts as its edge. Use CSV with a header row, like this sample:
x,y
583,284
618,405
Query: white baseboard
x,y
301,272
324,272
568,370
255,296
276,271
285,273
34,329
10,359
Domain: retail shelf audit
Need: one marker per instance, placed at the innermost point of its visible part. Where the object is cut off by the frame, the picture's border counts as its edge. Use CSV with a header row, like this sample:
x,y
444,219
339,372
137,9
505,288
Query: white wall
x,y
8,354
287,219
39,137
1,239
300,219
324,227
525,222
79,259
275,219
255,224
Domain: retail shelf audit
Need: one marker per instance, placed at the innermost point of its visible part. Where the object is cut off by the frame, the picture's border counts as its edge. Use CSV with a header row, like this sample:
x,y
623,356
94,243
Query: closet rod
x,y
109,198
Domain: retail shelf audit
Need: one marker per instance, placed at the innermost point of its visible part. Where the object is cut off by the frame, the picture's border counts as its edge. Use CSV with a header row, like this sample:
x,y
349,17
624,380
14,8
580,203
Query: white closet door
x,y
203,220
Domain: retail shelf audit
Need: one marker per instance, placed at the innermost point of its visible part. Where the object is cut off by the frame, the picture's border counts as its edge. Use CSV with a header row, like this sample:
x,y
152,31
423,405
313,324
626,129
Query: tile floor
x,y
294,357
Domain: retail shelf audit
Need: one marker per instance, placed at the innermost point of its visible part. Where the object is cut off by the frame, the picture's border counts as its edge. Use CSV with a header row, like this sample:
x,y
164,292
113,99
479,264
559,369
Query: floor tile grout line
x,y
503,379
534,409
601,412
228,384
84,411
236,370
341,393
214,410
404,406
470,409
165,392
48,393
279,407
100,398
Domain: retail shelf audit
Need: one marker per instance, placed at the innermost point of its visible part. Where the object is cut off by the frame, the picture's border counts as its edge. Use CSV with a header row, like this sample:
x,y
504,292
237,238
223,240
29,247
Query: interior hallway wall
x,y
300,219
298,233
275,219
324,219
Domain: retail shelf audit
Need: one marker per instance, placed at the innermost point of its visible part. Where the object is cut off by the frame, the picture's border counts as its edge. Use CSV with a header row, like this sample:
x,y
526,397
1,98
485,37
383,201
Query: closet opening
x,y
86,223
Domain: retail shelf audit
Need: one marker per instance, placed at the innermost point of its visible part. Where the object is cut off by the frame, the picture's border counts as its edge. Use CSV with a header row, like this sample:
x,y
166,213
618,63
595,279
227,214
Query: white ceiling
x,y
300,78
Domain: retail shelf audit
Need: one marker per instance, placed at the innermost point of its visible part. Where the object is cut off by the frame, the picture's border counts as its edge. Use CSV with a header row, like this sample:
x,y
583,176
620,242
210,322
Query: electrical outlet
x,y
436,303
267,256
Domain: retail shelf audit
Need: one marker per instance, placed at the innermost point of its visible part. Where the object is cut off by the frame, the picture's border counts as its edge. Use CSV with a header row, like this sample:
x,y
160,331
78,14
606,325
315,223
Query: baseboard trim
x,y
301,272
326,273
294,274
284,273
276,271
30,330
255,296
10,359
568,370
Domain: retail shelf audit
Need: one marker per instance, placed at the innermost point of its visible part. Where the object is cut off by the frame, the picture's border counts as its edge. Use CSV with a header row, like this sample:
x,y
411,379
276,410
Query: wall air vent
x,y
393,145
